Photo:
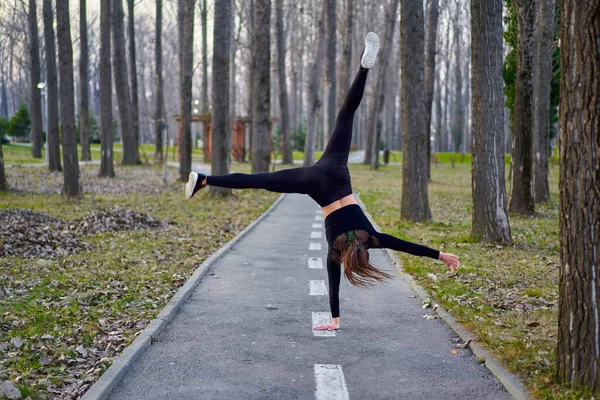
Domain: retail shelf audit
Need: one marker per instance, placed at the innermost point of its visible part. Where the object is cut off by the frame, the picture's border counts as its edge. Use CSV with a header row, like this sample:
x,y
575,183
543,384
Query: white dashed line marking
x,y
319,212
318,288
316,226
330,381
315,263
314,246
321,318
318,218
316,235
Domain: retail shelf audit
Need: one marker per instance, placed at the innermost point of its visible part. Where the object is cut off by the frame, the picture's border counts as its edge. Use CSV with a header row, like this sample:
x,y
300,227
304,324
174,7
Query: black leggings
x,y
326,181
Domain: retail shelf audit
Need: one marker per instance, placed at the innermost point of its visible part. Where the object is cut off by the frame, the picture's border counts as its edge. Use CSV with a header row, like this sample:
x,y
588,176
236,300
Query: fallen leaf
x,y
533,324
453,351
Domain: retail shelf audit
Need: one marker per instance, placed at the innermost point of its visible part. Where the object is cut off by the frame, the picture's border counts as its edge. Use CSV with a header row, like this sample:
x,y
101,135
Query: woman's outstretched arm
x,y
334,274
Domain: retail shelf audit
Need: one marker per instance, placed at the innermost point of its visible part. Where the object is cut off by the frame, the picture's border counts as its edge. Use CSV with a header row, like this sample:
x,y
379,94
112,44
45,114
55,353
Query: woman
x,y
349,233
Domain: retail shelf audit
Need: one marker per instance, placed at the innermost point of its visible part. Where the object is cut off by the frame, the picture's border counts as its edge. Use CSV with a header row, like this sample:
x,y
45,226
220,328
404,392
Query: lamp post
x,y
42,87
195,111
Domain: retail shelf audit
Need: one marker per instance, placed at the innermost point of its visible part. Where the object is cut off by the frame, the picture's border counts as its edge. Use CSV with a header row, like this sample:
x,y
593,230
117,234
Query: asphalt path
x,y
246,331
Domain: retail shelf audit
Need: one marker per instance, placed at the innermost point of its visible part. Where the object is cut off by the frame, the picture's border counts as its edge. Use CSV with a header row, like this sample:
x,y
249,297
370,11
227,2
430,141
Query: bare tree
x,y
415,197
159,121
261,63
286,141
3,183
330,77
53,148
107,168
521,197
204,95
314,88
541,94
71,186
344,75
130,145
35,95
186,58
578,348
458,117
430,42
135,109
490,219
220,94
84,112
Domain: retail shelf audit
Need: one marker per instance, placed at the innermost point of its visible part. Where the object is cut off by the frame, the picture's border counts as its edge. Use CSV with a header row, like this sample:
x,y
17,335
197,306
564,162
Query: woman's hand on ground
x,y
450,260
334,325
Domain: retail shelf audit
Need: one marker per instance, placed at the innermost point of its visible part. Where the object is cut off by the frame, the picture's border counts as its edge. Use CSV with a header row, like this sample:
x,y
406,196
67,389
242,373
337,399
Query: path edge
x,y
510,381
102,388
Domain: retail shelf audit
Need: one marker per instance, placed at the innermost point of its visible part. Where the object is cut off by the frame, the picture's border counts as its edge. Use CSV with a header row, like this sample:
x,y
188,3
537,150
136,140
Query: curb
x,y
512,384
113,375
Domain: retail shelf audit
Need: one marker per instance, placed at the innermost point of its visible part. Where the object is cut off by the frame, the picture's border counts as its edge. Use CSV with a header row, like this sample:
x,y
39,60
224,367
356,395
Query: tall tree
x,y
542,88
3,183
458,116
135,109
344,75
490,219
376,106
51,89
107,168
415,197
35,95
578,348
261,63
521,197
314,89
330,77
130,145
186,59
204,94
71,186
286,140
84,112
159,121
221,131
430,41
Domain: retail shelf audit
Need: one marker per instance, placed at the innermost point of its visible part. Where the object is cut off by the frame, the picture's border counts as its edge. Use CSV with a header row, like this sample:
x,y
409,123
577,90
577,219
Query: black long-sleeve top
x,y
352,218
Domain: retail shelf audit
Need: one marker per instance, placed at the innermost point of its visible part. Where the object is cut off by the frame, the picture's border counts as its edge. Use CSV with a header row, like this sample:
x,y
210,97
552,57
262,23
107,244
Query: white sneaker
x,y
193,184
371,49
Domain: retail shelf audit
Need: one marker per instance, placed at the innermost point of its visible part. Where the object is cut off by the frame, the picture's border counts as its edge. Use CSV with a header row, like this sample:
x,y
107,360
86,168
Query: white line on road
x,y
315,263
330,381
319,212
315,225
318,218
314,246
321,318
316,235
317,288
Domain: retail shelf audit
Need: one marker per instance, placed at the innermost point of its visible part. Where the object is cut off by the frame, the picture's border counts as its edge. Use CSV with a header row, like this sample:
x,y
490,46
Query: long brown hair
x,y
355,257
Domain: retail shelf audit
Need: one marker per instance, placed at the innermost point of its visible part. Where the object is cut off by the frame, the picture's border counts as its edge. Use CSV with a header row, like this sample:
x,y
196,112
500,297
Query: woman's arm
x,y
334,273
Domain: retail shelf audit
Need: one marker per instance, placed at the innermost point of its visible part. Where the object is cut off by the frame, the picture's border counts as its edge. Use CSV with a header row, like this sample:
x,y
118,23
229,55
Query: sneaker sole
x,y
371,49
190,185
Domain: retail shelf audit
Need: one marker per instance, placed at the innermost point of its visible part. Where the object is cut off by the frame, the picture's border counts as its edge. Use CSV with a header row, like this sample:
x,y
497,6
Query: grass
x,y
110,293
505,295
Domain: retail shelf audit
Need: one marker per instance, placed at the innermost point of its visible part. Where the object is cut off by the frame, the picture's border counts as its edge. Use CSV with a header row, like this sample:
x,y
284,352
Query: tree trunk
x,y
430,41
159,122
3,183
251,79
204,101
490,220
345,65
221,128
185,89
415,197
261,63
374,120
314,90
130,148
521,198
71,186
52,132
438,114
84,113
107,168
35,103
541,95
459,113
286,140
135,110
330,77
578,349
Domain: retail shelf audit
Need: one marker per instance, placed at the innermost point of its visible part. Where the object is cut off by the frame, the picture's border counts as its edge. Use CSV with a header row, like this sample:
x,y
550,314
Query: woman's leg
x,y
293,180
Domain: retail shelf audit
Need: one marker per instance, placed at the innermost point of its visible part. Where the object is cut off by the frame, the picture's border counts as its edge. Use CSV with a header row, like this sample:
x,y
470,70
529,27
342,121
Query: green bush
x,y
299,137
20,123
3,128
94,134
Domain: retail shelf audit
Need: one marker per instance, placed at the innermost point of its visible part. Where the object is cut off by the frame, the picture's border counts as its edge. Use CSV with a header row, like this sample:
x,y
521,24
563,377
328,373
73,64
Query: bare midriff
x,y
336,205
